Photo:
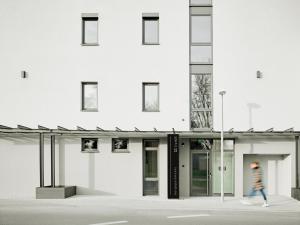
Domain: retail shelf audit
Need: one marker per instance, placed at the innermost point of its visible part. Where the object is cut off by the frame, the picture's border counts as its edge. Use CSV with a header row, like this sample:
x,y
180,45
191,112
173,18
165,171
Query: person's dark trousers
x,y
253,192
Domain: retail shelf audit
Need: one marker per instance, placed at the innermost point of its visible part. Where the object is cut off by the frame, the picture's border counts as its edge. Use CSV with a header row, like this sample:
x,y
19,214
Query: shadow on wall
x,y
251,107
80,190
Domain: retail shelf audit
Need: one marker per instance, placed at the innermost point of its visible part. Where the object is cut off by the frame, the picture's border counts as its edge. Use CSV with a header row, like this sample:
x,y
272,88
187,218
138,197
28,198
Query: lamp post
x,y
222,93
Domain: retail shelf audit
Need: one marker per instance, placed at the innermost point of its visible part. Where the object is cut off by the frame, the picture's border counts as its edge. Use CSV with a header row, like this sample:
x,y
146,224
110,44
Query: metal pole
x,y
52,161
222,93
41,160
222,157
297,161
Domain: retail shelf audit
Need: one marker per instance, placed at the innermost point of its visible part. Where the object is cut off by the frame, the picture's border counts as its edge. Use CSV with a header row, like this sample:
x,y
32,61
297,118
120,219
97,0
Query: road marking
x,y
186,216
108,223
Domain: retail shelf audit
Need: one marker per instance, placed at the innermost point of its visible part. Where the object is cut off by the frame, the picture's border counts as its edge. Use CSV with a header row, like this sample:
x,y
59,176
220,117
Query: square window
x,y
120,144
150,30
90,30
150,97
89,96
89,145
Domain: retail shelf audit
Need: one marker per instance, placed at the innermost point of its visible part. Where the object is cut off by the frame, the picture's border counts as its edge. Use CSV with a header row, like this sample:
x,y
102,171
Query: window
x,y
120,145
201,144
89,96
151,97
201,29
200,2
201,35
150,29
150,167
201,101
90,29
89,145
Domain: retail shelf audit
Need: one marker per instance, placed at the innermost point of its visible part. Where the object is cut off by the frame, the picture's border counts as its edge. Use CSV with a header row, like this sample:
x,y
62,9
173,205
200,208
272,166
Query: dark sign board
x,y
173,166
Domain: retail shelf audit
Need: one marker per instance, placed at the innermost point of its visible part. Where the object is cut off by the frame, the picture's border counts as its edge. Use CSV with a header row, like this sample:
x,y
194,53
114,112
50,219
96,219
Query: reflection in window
x,y
201,91
89,96
201,144
201,119
120,144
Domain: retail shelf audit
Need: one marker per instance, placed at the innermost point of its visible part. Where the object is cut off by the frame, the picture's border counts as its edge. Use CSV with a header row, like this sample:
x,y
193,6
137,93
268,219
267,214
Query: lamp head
x,y
222,93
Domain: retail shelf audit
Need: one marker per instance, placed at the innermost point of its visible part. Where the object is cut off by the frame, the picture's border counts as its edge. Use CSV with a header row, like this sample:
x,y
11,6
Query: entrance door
x,y
199,173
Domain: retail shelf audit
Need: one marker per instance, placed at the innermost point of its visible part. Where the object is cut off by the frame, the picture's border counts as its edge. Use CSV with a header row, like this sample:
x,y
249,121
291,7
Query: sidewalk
x,y
277,203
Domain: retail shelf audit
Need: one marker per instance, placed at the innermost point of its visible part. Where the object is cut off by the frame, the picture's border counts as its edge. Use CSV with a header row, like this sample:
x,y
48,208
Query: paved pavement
x,y
106,210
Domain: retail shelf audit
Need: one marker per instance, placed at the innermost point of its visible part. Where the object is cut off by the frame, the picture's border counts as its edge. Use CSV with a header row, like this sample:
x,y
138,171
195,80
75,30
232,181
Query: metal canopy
x,y
79,131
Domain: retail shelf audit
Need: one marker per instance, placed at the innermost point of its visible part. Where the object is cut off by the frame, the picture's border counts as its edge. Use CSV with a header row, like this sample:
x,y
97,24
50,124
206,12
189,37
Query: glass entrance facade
x,y
205,155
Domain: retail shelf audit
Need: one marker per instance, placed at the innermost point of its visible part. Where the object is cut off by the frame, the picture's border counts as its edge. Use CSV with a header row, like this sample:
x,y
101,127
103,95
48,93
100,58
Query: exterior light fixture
x,y
258,74
24,74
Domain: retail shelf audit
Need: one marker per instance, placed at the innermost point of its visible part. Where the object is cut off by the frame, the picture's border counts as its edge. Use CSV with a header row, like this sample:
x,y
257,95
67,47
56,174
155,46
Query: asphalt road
x,y
77,212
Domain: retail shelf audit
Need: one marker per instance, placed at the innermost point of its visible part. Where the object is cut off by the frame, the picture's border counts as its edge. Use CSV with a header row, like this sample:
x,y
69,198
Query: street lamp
x,y
222,93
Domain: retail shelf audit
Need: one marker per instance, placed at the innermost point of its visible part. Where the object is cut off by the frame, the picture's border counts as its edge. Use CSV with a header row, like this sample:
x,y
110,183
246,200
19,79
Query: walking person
x,y
257,183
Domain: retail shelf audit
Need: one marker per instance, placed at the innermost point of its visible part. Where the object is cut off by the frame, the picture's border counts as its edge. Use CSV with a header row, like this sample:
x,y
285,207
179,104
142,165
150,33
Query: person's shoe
x,y
265,204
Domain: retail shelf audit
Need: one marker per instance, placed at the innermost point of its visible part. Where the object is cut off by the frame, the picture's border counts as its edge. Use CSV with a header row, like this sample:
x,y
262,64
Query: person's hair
x,y
256,164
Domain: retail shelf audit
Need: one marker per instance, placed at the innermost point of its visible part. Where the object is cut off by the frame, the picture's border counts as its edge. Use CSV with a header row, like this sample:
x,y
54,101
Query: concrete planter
x,y
58,192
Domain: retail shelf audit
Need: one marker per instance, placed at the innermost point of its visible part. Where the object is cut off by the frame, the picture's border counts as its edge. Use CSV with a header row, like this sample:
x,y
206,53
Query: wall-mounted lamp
x,y
258,74
24,74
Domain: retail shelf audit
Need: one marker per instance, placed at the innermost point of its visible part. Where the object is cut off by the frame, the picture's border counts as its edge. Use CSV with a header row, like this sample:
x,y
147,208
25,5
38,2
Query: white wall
x,y
19,165
267,147
104,173
44,38
257,35
276,173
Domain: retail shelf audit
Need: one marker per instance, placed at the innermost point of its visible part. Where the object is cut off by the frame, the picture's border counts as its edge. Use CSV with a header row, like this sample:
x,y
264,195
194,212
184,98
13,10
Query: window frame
x,y
144,84
149,17
92,151
156,179
201,70
201,11
119,150
89,17
83,84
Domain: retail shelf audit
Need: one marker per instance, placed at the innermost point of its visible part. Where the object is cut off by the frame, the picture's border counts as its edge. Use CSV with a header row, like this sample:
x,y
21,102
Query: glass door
x,y
199,173
150,161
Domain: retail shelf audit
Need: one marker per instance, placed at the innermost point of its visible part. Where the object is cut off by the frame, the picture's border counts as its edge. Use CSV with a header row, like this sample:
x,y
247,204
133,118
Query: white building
x,y
139,70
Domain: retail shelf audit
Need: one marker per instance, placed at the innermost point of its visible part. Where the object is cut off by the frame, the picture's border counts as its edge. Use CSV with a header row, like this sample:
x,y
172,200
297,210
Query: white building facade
x,y
109,80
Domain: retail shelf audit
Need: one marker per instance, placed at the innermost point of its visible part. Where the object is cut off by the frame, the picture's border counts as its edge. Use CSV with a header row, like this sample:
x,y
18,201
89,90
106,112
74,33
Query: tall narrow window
x,y
151,97
201,61
150,167
201,101
89,96
90,29
150,29
201,35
